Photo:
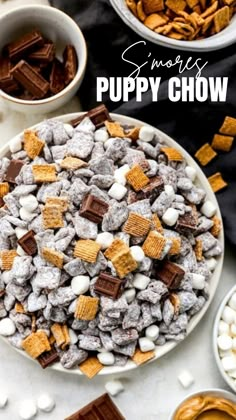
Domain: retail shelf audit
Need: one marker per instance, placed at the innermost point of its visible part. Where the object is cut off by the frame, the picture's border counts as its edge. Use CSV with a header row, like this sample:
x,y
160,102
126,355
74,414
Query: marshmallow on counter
x,y
119,174
225,342
137,253
145,344
229,363
45,403
20,232
80,284
129,295
186,379
114,387
101,135
228,315
15,144
191,172
105,239
106,358
29,202
146,133
73,336
152,332
3,399
117,191
223,328
208,209
7,327
69,130
27,410
26,215
232,302
198,281
170,217
141,281
211,263
169,190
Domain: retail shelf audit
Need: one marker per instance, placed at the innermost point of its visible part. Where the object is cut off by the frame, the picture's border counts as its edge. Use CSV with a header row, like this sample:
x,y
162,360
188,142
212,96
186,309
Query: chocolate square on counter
x,y
13,170
108,286
170,274
93,208
103,408
28,243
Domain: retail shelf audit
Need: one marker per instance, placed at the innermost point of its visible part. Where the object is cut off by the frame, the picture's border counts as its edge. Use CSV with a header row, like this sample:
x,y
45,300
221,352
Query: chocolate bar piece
x,y
28,243
13,170
78,120
44,54
22,46
2,292
1,202
30,79
170,274
57,77
48,358
186,223
70,63
103,408
108,285
93,208
7,83
99,115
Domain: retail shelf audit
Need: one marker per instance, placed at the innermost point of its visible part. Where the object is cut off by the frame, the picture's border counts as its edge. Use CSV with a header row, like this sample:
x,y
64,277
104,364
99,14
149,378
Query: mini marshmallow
x,y
211,263
225,342
169,190
191,172
20,251
106,358
234,344
73,336
170,217
69,130
229,363
27,410
141,281
208,209
117,191
186,379
232,302
3,399
129,295
108,143
45,403
26,215
223,328
152,332
137,253
145,344
29,202
7,327
198,281
146,133
20,232
114,387
228,315
119,174
233,330
105,239
6,276
80,284
15,145
101,135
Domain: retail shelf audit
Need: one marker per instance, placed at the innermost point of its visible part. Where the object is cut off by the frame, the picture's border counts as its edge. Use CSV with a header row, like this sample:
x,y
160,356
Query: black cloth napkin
x,y
191,124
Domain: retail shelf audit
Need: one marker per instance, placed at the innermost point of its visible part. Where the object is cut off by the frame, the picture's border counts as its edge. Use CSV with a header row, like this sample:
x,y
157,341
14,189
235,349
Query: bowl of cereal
x,y
189,26
111,250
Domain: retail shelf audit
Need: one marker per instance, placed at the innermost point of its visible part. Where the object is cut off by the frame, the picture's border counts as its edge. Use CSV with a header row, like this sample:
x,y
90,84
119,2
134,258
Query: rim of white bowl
x,y
215,42
219,312
162,350
82,62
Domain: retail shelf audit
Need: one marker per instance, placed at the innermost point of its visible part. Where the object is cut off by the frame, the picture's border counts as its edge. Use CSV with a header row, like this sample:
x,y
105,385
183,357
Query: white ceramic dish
x,y
224,375
62,30
202,180
215,42
218,393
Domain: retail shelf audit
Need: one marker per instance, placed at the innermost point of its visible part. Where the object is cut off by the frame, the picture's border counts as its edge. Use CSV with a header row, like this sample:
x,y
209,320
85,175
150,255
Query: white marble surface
x,y
151,392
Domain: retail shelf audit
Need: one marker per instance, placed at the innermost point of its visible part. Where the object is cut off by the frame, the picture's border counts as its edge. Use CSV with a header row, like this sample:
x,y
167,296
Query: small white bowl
x,y
224,375
215,392
62,30
215,42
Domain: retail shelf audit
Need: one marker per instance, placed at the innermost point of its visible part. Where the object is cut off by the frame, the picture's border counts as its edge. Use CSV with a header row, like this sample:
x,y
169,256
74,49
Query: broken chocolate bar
x,y
7,83
13,170
57,77
186,223
70,63
93,208
99,115
108,285
30,79
103,408
28,243
20,48
48,358
170,274
44,54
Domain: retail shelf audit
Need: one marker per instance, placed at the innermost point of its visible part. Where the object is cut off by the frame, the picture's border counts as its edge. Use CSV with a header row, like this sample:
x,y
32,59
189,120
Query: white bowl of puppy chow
x,y
224,338
111,243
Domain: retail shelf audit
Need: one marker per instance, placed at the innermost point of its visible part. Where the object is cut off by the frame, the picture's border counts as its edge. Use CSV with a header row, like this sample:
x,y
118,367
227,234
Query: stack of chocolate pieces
x,y
29,68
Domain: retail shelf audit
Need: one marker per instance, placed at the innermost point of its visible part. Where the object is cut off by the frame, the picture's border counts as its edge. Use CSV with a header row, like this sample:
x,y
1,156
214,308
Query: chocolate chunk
x,y
103,408
7,83
48,358
170,274
44,54
13,170
30,79
152,190
186,223
22,46
93,209
28,243
1,202
2,292
78,120
57,77
70,63
108,285
99,115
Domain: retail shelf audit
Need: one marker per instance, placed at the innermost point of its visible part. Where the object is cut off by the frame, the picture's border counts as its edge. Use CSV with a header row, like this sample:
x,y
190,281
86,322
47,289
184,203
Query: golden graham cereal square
x,y
152,6
44,173
176,5
137,225
32,144
216,181
221,18
86,308
72,163
61,202
139,358
133,134
117,247
66,336
124,263
7,258
229,126
4,189
172,154
137,178
156,223
87,250
154,245
175,247
58,334
52,256
205,154
198,250
223,143
114,129
154,21
91,367
52,217
36,344
216,228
